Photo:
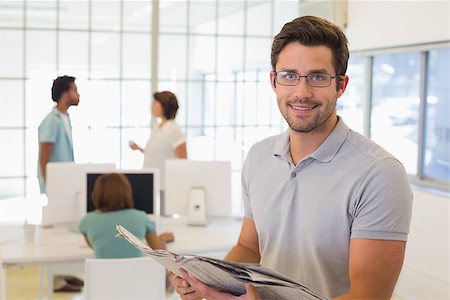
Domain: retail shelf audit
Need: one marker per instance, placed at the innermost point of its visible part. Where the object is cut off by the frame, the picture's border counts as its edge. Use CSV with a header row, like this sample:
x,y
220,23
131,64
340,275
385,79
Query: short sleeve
x,y
48,131
83,225
176,136
149,225
384,207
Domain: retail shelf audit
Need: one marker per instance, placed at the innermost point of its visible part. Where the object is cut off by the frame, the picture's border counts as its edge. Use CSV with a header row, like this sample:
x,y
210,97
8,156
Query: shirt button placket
x,y
290,188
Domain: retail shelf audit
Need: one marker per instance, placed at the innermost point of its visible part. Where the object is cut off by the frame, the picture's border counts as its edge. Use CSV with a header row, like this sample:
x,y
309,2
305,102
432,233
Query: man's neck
x,y
301,144
62,107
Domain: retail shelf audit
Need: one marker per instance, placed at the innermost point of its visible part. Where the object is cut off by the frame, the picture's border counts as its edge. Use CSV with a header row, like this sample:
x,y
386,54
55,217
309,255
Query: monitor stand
x,y
197,207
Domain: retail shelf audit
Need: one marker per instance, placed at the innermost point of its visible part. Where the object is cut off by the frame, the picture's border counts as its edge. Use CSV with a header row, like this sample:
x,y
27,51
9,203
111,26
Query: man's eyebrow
x,y
310,71
319,71
288,70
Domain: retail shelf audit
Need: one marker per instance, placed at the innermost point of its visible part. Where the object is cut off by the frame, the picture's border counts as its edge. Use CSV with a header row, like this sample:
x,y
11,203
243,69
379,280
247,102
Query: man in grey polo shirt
x,y
324,205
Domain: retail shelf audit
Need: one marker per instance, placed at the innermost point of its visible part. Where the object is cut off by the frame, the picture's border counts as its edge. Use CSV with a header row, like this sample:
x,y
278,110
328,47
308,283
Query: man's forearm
x,y
43,173
239,253
45,151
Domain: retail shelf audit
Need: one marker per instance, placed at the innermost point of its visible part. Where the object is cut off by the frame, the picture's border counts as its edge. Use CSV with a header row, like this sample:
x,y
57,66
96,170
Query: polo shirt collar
x,y
330,147
326,151
282,145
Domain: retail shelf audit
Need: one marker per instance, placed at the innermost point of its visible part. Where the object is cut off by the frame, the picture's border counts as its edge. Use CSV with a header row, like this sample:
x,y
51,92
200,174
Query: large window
x,y
106,45
437,134
400,98
395,105
409,112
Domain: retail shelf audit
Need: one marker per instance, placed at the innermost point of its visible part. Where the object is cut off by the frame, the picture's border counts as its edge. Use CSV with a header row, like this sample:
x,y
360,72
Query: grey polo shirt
x,y
306,214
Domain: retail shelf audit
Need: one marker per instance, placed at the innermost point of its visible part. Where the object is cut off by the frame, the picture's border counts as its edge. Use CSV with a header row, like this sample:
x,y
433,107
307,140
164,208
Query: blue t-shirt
x,y
100,228
52,130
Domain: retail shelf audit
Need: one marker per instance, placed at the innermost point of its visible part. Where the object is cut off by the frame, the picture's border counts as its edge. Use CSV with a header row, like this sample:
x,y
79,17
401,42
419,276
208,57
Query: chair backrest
x,y
124,278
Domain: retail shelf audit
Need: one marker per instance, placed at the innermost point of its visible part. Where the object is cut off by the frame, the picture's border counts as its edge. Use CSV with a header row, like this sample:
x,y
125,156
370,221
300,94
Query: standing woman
x,y
167,140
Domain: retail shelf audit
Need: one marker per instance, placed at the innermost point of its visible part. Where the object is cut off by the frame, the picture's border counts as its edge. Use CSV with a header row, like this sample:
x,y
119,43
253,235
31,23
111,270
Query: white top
x,y
66,122
161,146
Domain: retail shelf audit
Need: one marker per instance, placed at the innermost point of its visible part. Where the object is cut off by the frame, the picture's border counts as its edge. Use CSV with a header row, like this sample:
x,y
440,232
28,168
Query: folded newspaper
x,y
225,276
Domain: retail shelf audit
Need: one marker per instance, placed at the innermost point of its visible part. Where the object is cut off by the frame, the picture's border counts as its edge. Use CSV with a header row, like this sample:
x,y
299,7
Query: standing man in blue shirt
x,y
55,131
55,145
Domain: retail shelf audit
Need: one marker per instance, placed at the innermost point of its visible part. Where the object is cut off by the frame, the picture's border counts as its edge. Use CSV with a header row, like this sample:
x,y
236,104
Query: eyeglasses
x,y
313,79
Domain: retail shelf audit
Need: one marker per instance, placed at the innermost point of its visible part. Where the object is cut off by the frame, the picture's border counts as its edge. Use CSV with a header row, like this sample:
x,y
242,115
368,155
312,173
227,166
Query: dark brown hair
x,y
112,192
60,85
169,103
313,31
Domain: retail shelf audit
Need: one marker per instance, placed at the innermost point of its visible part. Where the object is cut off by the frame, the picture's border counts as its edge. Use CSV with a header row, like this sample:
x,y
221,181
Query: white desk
x,y
220,235
55,246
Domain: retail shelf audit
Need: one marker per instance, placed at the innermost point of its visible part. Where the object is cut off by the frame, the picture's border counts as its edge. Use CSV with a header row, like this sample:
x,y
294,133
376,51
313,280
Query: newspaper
x,y
226,276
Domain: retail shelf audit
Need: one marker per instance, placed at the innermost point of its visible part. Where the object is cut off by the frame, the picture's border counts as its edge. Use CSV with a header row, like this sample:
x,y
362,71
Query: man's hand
x,y
183,288
209,293
246,250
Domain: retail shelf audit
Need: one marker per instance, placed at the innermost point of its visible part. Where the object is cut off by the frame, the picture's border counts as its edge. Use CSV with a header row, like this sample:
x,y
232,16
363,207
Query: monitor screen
x,y
142,185
182,177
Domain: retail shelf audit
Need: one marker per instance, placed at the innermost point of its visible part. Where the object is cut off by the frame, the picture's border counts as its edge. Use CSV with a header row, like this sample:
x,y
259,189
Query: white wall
x,y
378,24
425,273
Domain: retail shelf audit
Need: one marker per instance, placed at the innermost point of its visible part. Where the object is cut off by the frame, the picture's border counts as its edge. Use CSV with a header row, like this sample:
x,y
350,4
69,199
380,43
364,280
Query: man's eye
x,y
290,76
317,77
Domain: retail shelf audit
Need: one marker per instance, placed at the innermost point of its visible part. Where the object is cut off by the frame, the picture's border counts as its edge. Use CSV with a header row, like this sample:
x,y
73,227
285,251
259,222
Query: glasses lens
x,y
319,79
287,78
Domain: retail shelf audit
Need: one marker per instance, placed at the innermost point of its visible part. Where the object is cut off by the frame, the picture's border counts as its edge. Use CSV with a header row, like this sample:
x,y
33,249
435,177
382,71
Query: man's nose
x,y
302,89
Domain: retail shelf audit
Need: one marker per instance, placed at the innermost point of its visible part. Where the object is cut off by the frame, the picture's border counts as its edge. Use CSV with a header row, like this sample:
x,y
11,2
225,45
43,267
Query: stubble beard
x,y
316,122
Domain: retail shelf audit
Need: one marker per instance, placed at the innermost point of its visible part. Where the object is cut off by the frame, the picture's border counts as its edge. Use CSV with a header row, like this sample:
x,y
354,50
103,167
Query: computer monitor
x,y
144,184
197,189
64,186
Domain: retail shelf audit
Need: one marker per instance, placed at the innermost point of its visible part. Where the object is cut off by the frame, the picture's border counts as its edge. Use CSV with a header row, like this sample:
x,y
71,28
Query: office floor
x,y
23,284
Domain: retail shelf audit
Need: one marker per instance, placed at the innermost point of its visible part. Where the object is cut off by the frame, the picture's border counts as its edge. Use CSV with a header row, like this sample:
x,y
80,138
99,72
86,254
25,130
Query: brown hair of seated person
x,y
113,192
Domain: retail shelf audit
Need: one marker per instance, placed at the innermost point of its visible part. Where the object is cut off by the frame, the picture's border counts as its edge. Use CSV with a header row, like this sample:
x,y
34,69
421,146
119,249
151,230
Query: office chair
x,y
124,278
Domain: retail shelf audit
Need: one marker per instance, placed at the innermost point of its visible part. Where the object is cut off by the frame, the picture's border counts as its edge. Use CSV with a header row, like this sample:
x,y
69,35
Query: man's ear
x,y
273,80
343,81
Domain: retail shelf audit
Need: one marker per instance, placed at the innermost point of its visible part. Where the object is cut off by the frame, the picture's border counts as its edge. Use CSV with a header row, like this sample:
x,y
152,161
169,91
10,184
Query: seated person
x,y
113,199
